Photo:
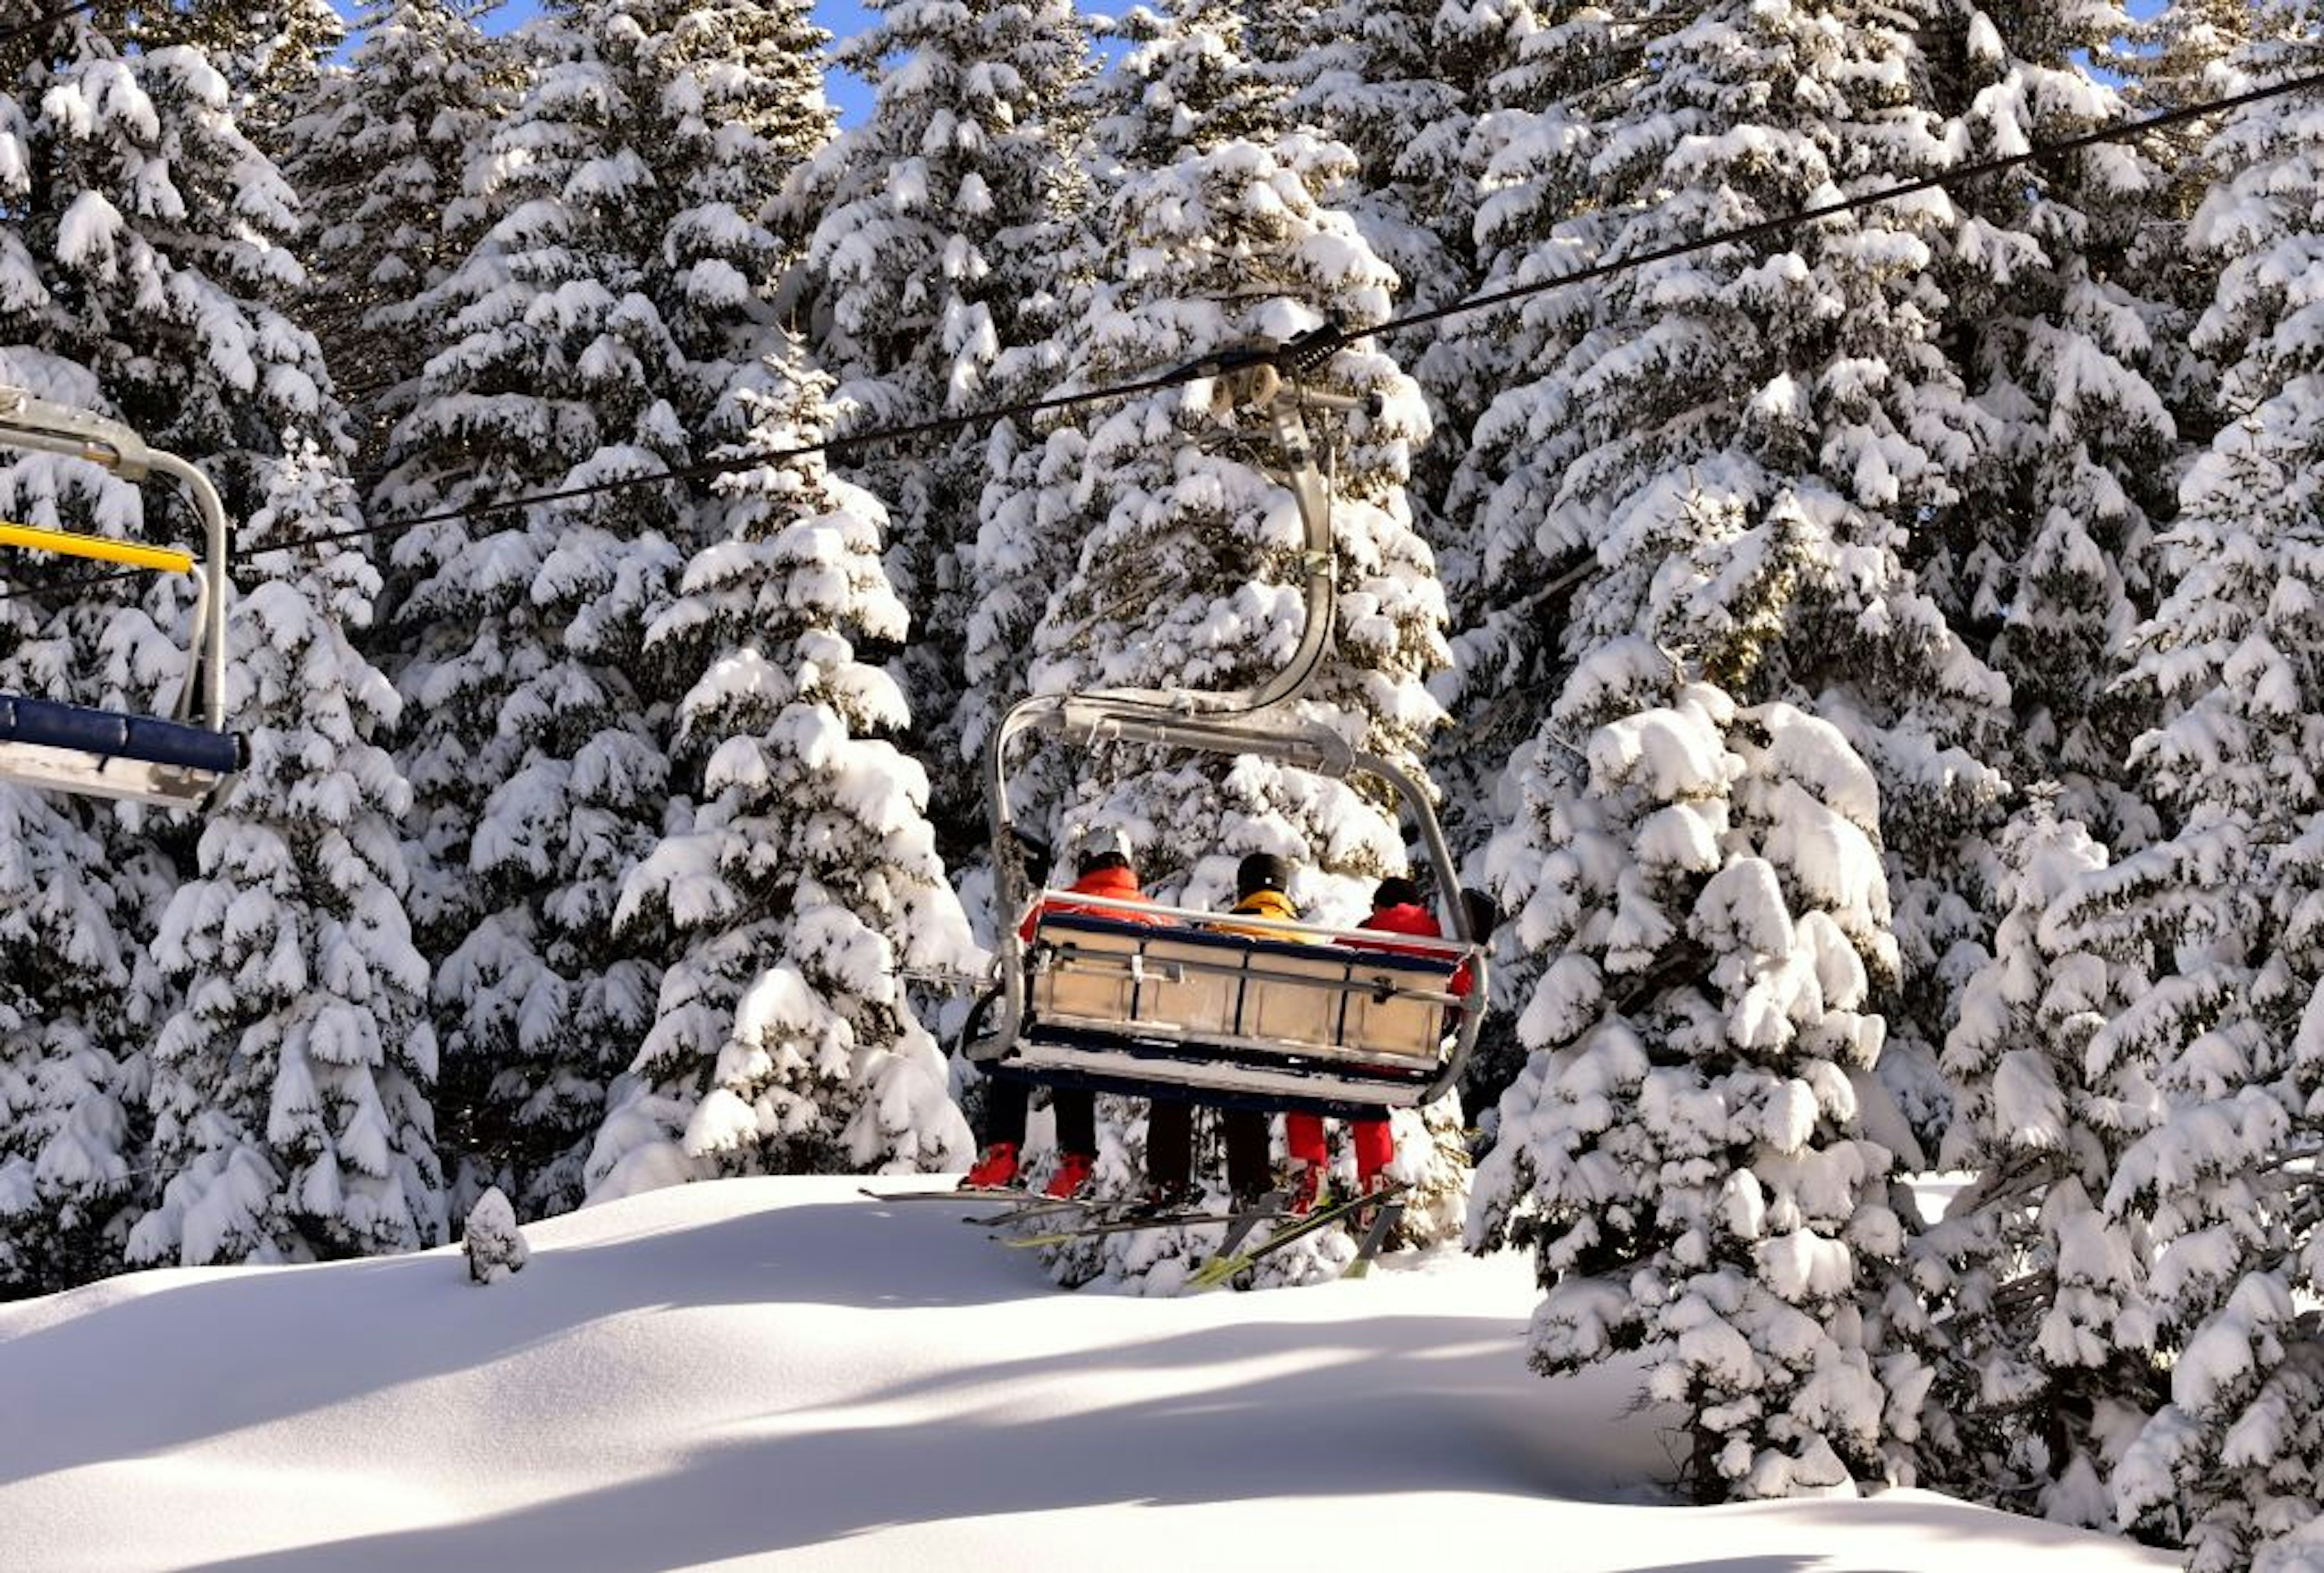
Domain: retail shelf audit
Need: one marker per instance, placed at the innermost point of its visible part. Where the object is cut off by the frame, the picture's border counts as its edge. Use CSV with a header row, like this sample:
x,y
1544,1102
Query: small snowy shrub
x,y
495,1245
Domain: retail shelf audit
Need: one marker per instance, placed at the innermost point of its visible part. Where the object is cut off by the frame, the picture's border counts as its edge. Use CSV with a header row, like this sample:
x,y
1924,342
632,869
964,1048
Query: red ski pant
x,y
1302,1138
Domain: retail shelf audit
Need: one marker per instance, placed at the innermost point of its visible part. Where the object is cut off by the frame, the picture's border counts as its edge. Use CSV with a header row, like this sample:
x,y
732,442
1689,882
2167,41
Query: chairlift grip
x,y
35,423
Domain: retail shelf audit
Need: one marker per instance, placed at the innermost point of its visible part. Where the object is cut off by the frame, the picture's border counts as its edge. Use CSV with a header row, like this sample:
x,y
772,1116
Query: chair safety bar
x,y
1322,1019
44,724
65,543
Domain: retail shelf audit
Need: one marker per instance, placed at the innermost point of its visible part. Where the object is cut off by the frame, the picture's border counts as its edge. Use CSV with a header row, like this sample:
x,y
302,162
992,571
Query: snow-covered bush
x,y
1683,1151
494,1244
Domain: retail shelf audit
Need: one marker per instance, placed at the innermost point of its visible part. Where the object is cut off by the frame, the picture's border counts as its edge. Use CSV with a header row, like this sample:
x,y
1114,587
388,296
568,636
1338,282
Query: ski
x,y
1269,1206
1025,1203
1374,1237
950,1193
1128,1226
1134,1219
1222,1267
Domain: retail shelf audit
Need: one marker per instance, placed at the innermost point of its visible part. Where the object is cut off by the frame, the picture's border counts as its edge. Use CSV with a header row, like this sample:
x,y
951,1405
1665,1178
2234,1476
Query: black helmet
x,y
1395,891
1262,871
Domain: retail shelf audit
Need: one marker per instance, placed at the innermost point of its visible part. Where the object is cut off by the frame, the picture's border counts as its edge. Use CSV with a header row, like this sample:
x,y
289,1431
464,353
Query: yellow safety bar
x,y
167,559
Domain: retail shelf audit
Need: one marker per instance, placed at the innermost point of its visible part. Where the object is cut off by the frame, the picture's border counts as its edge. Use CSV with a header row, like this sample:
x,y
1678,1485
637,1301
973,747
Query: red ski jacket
x,y
1410,918
1118,885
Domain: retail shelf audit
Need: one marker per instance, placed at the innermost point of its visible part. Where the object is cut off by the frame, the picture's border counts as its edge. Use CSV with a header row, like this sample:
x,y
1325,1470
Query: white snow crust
x,y
763,1374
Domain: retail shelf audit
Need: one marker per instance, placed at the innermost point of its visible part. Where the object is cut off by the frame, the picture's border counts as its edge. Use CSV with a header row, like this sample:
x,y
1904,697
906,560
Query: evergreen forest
x,y
1873,664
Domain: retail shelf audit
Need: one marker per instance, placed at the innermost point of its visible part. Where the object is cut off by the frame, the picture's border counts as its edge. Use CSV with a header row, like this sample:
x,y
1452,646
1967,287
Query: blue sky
x,y
842,18
845,18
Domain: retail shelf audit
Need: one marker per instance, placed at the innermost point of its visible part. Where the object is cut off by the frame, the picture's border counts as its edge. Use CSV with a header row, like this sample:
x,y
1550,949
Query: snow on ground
x,y
782,1373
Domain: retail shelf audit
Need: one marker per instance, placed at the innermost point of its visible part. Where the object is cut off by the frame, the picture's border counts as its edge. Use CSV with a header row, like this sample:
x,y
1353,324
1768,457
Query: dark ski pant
x,y
1170,1146
1005,1100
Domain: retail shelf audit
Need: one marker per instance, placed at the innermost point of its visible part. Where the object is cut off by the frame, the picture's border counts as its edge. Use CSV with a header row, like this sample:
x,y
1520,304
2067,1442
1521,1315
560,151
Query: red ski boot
x,y
1075,1171
995,1168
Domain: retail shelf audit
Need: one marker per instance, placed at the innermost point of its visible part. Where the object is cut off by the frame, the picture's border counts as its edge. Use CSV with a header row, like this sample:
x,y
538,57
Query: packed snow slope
x,y
781,1373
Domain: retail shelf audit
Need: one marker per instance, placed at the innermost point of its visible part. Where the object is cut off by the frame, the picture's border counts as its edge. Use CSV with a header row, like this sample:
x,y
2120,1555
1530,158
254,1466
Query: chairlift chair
x,y
184,760
1235,1010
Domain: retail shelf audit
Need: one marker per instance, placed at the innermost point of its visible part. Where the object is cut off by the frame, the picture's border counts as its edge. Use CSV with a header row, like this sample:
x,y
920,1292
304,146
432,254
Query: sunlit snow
x,y
783,1374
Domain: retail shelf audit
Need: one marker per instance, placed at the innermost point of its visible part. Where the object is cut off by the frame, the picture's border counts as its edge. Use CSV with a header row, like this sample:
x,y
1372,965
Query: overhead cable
x,y
39,24
1311,347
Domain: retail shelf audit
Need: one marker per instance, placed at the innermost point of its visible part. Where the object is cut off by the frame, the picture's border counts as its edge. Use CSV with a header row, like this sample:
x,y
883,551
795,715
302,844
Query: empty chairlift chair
x,y
180,761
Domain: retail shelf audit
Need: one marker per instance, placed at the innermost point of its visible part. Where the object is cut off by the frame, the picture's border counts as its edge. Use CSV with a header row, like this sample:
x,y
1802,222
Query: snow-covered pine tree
x,y
142,216
1730,452
272,53
808,878
2035,1319
1188,573
72,1067
2044,568
2043,562
1028,515
2229,907
380,150
290,1084
1531,151
942,221
2182,54
602,331
138,276
70,1096
1373,77
1681,1151
1531,148
740,94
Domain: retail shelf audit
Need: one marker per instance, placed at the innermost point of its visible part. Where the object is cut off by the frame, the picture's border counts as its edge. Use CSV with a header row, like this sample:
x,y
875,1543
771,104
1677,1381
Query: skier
x,y
1103,868
1262,883
1397,909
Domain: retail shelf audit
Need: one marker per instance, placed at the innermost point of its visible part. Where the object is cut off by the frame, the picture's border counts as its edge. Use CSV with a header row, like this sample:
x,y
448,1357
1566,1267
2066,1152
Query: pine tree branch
x,y
42,23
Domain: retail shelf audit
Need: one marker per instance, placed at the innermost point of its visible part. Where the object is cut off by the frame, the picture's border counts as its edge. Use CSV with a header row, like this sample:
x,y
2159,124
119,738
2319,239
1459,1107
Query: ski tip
x,y
945,1193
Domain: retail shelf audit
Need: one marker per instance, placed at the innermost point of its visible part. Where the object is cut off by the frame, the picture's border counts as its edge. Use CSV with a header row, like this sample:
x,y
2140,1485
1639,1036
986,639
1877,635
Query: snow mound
x,y
783,1373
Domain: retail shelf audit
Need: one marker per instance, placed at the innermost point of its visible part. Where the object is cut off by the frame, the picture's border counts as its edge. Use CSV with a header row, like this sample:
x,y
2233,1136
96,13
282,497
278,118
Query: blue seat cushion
x,y
110,735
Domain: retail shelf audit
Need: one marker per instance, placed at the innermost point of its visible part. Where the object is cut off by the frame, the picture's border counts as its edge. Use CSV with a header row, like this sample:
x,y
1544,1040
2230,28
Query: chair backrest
x,y
1197,985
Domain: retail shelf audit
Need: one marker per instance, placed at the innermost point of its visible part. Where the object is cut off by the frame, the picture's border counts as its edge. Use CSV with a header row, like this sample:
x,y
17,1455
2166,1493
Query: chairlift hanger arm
x,y
1255,376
